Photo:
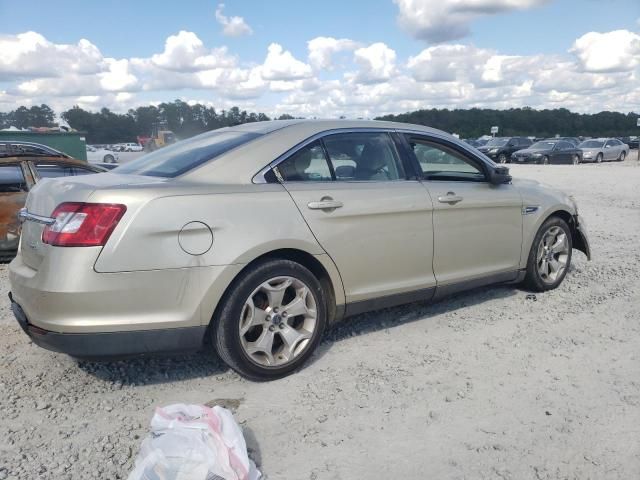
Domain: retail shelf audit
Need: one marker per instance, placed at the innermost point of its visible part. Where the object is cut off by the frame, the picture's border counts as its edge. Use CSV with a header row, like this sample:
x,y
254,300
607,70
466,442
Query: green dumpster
x,y
71,143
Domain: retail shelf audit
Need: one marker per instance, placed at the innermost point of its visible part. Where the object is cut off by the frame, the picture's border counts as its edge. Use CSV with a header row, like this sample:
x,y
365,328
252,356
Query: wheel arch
x,y
321,266
577,238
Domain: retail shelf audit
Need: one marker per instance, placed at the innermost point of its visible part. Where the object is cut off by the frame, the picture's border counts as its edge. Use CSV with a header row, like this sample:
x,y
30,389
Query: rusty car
x,y
22,165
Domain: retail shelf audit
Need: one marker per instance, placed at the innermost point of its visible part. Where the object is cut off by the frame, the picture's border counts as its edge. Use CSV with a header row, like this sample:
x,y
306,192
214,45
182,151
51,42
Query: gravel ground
x,y
485,385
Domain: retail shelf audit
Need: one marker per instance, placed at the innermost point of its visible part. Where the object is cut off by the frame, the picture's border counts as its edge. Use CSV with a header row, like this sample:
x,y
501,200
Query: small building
x,y
71,143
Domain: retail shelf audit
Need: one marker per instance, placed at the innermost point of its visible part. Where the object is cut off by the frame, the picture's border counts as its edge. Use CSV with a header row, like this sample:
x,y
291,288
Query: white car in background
x,y
101,155
132,147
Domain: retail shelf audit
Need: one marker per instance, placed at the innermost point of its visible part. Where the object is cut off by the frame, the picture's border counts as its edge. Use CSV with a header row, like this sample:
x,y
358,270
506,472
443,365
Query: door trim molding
x,y
430,294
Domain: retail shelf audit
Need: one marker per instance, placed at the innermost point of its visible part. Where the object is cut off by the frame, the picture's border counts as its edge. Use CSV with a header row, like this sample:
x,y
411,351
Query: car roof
x,y
277,137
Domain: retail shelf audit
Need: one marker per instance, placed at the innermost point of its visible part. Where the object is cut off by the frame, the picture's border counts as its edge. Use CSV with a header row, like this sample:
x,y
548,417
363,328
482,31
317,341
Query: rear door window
x,y
309,164
364,156
12,179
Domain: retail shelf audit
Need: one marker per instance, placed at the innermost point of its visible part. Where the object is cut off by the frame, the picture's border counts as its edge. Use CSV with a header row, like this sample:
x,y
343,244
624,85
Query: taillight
x,y
82,224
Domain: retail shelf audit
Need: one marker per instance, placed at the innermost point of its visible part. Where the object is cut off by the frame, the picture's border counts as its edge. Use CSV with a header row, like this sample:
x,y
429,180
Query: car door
x,y
610,150
376,225
15,182
563,152
477,225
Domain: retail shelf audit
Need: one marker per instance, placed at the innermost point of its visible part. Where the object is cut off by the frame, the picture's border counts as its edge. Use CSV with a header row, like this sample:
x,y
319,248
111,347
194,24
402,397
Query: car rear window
x,y
186,155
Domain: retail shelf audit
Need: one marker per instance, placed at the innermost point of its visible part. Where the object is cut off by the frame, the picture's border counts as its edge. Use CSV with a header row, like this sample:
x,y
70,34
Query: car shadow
x,y
384,319
160,369
156,369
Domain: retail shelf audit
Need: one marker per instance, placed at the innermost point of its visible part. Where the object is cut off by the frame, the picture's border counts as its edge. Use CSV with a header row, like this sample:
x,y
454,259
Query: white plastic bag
x,y
194,442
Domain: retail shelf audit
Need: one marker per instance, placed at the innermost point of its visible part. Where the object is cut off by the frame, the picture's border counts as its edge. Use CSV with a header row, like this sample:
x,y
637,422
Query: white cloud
x,y
615,51
30,55
443,20
322,50
118,77
232,26
280,64
376,62
186,52
339,76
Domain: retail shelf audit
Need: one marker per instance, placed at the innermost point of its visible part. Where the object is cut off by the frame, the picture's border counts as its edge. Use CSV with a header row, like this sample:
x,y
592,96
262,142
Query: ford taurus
x,y
254,239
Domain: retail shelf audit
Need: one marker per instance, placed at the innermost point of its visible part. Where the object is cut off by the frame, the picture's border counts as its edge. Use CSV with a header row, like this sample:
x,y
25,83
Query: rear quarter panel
x,y
245,224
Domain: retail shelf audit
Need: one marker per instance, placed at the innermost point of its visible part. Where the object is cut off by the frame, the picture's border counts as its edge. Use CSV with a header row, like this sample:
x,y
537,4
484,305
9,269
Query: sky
x,y
325,58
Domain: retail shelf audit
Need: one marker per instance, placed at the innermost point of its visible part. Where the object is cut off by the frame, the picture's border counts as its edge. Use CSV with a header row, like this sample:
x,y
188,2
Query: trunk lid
x,y
47,194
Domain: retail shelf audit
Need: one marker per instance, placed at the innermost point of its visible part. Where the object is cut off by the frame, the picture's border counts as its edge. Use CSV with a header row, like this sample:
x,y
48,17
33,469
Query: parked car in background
x,y
603,150
631,141
101,155
132,147
547,152
473,142
22,165
361,215
572,140
500,149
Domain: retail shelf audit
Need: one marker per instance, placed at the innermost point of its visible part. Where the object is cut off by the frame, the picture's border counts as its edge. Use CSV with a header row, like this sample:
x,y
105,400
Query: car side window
x,y
12,179
364,156
609,143
308,164
439,162
48,170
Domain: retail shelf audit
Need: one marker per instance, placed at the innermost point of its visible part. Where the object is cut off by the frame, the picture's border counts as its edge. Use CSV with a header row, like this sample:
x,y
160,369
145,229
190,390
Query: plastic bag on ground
x,y
194,442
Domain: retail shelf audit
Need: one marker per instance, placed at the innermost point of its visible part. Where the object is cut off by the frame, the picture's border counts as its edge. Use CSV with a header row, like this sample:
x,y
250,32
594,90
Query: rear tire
x,y
109,159
550,256
252,331
502,158
576,160
622,156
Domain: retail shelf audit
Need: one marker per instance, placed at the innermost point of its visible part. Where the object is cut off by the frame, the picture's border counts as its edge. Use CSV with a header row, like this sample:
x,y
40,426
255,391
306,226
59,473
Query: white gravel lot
x,y
484,385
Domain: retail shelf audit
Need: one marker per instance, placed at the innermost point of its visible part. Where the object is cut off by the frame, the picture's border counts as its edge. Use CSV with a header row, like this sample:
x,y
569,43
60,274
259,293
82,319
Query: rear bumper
x,y
110,345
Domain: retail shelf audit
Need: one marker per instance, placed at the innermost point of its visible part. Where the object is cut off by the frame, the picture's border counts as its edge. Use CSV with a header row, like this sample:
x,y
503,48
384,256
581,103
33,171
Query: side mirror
x,y
499,176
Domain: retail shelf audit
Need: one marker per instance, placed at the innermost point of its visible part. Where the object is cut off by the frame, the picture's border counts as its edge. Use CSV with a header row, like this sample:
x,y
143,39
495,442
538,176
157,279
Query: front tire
x,y
545,160
271,320
502,158
576,160
599,158
550,256
109,159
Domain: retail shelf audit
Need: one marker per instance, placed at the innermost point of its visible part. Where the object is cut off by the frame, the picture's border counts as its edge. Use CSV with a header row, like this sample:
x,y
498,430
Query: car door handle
x,y
451,198
324,204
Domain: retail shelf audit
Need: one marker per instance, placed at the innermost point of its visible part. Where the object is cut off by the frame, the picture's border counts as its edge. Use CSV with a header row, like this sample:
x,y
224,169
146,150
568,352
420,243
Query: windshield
x,y
542,146
186,155
496,142
591,144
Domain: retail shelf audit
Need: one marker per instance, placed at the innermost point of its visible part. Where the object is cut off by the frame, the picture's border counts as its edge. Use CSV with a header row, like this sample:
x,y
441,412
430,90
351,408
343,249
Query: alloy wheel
x,y
278,321
553,254
576,160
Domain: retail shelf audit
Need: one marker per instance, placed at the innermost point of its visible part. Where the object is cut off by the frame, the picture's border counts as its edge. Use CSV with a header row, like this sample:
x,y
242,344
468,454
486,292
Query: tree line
x,y
186,120
474,122
105,126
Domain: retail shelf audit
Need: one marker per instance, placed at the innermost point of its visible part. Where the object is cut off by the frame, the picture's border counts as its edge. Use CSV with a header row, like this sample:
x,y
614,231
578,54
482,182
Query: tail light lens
x,y
82,224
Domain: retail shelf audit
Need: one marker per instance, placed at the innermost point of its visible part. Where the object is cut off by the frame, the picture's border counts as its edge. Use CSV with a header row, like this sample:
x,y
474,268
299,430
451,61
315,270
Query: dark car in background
x,y
572,140
22,165
631,141
550,151
500,149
